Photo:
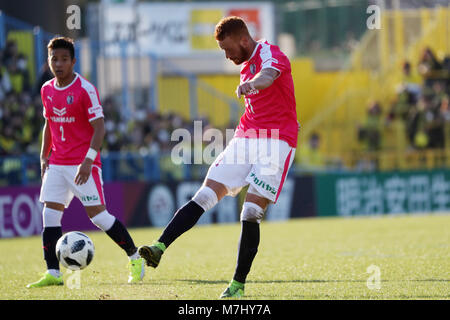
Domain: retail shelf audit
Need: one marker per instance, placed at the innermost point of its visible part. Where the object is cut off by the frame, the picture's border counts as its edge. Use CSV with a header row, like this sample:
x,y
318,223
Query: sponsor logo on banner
x,y
21,211
20,214
160,205
384,193
189,27
162,200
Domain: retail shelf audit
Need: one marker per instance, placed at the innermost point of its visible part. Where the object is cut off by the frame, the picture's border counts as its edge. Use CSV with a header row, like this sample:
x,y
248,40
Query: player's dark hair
x,y
230,26
62,43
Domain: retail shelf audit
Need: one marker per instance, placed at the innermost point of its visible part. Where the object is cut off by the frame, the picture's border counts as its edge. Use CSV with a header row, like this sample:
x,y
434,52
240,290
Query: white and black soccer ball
x,y
75,250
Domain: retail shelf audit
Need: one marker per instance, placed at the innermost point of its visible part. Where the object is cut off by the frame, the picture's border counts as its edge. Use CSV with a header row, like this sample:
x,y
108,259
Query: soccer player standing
x,y
259,155
70,160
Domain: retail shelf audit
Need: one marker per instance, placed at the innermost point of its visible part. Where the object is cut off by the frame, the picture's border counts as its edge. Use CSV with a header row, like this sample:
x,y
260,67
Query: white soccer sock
x,y
135,256
252,212
205,198
104,220
54,272
51,217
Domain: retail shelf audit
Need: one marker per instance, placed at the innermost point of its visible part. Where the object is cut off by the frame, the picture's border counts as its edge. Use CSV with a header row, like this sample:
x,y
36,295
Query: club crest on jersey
x,y
253,68
69,99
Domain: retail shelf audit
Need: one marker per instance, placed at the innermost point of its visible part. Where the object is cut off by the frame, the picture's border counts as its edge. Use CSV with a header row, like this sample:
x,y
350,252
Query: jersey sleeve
x,y
92,101
44,113
272,57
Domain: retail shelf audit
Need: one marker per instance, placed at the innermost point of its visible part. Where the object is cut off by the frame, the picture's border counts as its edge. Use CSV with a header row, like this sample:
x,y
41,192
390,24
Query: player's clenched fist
x,y
245,88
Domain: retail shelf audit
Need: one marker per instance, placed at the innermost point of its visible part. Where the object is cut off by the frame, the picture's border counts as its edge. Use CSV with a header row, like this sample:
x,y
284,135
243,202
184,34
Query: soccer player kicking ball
x,y
74,132
270,124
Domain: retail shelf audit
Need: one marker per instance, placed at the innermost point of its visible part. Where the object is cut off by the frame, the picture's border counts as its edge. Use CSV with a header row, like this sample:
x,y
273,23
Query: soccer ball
x,y
75,250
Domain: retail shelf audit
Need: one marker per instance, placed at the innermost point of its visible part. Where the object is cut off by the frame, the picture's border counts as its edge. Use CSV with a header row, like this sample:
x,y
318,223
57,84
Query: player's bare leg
x,y
251,215
184,219
51,217
119,234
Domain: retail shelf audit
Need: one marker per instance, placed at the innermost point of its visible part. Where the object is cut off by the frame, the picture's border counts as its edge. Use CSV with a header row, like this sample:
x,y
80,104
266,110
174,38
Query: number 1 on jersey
x,y
62,133
249,104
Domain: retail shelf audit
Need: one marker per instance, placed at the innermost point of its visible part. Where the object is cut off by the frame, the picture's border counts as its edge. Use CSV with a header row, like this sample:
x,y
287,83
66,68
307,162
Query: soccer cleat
x,y
234,290
152,254
137,270
47,280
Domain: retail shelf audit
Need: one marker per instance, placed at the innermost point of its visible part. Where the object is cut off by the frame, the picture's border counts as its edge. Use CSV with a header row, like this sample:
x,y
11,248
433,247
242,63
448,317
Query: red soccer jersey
x,y
68,111
272,108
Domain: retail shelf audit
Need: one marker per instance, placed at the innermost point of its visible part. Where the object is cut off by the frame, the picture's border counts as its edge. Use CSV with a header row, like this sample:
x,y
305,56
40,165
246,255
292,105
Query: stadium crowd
x,y
421,105
19,108
22,121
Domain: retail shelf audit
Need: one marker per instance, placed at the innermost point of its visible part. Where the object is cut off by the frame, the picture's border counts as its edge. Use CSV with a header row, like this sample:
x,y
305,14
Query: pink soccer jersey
x,y
69,111
272,108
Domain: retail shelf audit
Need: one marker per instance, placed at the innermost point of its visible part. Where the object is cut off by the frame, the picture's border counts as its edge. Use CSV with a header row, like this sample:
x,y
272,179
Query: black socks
x,y
248,247
50,236
187,216
120,235
184,219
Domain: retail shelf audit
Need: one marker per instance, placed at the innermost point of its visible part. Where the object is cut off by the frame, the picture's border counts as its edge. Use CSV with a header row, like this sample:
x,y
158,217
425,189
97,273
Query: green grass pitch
x,y
314,258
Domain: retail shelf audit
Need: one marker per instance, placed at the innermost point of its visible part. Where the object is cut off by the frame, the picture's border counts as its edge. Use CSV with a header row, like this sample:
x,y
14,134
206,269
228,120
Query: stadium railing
x,y
116,166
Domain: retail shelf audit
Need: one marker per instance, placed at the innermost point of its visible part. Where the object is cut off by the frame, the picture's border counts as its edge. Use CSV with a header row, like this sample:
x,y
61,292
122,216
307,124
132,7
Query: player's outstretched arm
x,y
262,80
84,170
45,147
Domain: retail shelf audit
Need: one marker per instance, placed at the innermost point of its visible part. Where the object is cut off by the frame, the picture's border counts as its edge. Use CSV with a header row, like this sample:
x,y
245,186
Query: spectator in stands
x,y
370,132
435,120
5,83
10,52
22,69
309,156
446,73
445,109
18,76
430,68
438,93
416,124
410,80
404,101
445,112
9,144
44,75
